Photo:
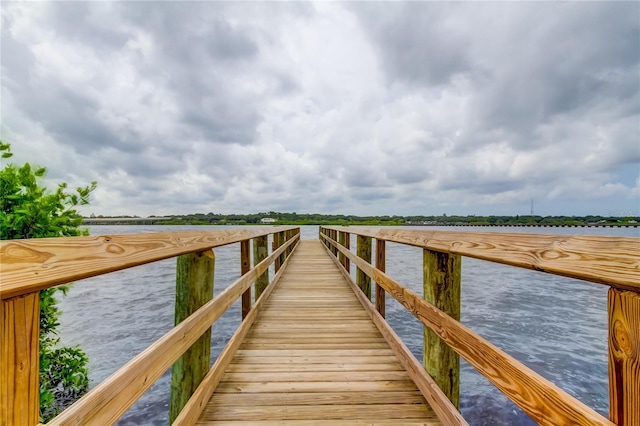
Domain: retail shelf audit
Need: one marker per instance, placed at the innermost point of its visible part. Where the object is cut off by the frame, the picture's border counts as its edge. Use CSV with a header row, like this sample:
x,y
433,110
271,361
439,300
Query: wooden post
x,y
260,253
19,360
442,289
245,266
274,246
281,242
363,250
624,357
341,257
334,237
194,288
347,245
380,264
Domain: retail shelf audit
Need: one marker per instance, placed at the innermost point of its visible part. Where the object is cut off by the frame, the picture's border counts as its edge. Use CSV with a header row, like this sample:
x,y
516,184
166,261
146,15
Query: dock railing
x,y
611,261
28,266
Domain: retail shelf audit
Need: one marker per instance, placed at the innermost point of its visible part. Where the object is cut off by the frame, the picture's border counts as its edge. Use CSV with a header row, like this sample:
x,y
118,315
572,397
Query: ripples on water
x,y
556,326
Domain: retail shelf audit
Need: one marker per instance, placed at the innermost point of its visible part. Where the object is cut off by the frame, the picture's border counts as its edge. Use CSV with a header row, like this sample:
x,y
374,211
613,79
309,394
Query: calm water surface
x,y
556,326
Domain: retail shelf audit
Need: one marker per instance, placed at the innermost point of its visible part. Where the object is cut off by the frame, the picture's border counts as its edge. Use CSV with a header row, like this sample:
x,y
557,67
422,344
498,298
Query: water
x,y
556,326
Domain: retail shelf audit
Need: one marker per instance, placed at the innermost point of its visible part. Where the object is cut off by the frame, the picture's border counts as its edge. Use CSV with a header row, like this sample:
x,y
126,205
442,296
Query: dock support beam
x,y
344,238
380,264
19,360
245,266
194,288
260,253
624,357
442,289
363,251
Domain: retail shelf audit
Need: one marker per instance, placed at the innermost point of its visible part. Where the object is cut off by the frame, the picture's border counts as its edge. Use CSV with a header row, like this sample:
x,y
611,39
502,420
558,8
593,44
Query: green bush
x,y
29,210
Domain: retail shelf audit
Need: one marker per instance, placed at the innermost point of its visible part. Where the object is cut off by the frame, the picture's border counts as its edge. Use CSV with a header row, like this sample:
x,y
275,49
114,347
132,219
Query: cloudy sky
x,y
354,108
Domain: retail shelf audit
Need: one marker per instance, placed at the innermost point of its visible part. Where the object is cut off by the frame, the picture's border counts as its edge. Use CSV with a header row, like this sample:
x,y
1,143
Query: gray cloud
x,y
362,108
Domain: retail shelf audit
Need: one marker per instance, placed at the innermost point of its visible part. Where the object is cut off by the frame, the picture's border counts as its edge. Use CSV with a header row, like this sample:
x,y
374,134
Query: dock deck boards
x,y
314,356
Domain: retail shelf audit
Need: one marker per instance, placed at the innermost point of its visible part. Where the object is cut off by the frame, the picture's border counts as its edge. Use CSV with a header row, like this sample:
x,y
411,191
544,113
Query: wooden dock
x,y
313,355
312,347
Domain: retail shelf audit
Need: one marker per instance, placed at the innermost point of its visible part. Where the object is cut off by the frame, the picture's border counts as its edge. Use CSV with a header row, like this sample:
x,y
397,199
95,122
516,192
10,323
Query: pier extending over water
x,y
312,347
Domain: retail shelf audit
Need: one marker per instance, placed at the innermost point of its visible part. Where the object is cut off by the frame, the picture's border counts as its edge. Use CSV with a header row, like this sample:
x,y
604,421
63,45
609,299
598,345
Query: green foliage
x,y
29,210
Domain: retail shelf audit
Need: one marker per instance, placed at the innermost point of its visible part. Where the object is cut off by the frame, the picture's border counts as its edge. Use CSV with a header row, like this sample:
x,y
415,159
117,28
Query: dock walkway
x,y
313,356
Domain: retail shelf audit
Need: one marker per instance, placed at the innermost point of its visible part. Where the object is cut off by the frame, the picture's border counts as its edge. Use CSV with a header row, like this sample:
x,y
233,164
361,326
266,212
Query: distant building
x,y
268,220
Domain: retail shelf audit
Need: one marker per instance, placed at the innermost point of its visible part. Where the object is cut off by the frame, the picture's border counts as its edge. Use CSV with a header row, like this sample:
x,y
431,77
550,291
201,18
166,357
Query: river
x,y
557,326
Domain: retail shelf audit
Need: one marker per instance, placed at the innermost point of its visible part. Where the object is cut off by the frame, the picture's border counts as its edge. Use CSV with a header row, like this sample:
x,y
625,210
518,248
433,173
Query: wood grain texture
x,y
19,360
245,266
432,393
613,261
193,408
310,356
363,251
105,403
624,357
543,401
381,255
194,288
35,264
260,252
442,273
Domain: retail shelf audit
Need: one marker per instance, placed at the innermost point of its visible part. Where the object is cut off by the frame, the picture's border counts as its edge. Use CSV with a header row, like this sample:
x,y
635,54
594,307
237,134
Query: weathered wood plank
x,y
624,357
329,398
613,261
19,360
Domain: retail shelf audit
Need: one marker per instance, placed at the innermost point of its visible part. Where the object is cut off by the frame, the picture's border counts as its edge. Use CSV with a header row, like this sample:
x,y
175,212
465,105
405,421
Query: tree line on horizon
x,y
294,218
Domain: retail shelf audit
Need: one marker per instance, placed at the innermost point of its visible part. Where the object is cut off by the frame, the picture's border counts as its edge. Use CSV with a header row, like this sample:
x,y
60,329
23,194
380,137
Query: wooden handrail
x,y
539,398
614,261
115,395
28,266
35,264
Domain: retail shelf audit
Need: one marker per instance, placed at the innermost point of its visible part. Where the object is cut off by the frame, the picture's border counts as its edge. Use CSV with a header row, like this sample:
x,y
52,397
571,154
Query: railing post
x,y
347,245
341,240
275,245
334,237
281,242
245,266
194,288
442,289
19,360
260,253
624,357
380,264
363,250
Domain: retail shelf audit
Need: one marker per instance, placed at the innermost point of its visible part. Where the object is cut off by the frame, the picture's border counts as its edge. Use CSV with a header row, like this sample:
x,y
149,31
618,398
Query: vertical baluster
x,y
380,264
245,266
363,250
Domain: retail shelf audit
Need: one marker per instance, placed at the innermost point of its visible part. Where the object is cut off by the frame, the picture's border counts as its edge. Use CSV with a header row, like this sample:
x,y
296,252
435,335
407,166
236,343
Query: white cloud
x,y
396,108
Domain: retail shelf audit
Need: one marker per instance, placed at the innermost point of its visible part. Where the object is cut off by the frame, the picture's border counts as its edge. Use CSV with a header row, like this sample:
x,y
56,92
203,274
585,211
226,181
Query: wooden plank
x,y
251,413
613,261
105,403
542,400
330,398
367,421
624,357
193,408
19,360
442,274
302,365
194,288
438,401
38,263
